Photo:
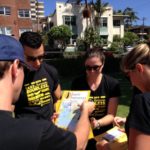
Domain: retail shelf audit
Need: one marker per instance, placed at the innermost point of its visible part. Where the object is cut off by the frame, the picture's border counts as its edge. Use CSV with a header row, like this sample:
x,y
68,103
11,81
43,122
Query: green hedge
x,y
75,66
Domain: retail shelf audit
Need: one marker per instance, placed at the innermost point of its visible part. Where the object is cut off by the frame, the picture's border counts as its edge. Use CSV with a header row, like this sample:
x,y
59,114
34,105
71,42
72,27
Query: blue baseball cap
x,y
11,49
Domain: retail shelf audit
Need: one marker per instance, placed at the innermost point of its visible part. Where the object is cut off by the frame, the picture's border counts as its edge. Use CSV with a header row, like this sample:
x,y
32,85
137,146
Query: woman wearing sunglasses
x,y
105,92
136,65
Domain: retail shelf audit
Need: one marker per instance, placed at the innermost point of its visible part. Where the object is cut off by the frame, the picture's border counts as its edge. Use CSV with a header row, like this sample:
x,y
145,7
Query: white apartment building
x,y
37,9
40,9
33,9
71,15
37,14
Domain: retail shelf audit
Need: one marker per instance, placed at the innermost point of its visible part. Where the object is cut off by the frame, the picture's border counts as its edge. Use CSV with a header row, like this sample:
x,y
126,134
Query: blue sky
x,y
142,7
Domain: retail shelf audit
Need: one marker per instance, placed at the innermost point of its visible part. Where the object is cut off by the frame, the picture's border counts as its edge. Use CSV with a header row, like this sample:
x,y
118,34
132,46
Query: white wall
x,y
76,10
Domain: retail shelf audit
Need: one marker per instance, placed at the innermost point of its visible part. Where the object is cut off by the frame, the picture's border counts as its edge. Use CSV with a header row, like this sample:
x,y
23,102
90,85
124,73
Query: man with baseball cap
x,y
25,133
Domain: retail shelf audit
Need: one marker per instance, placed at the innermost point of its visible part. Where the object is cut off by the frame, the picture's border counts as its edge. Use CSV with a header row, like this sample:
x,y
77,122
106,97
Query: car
x,y
128,48
108,53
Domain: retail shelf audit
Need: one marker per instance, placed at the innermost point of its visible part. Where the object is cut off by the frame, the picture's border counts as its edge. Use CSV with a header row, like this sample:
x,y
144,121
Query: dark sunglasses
x,y
25,66
21,65
95,67
32,58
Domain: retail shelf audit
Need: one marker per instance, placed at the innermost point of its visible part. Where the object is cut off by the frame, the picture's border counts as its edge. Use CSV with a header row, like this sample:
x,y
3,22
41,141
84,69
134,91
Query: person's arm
x,y
57,96
138,140
83,126
119,121
53,73
58,93
109,118
102,145
106,120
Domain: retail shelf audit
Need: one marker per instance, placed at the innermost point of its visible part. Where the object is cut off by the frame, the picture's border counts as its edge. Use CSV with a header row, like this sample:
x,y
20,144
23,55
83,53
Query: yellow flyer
x,y
68,108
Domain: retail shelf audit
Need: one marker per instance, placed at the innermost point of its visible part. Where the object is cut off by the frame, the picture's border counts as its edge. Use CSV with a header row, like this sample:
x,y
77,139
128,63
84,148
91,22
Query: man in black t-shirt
x,y
41,87
27,133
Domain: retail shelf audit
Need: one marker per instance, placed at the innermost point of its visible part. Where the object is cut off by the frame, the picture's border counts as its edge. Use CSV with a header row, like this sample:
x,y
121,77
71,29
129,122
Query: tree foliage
x,y
61,34
117,44
131,17
100,7
130,38
91,39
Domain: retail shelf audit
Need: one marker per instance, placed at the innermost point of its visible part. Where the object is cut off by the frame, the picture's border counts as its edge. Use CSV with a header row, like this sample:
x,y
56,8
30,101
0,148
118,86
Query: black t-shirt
x,y
108,88
31,134
36,98
139,114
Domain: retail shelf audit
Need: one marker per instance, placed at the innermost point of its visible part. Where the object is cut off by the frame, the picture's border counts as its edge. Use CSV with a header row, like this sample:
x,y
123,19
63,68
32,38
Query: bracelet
x,y
98,125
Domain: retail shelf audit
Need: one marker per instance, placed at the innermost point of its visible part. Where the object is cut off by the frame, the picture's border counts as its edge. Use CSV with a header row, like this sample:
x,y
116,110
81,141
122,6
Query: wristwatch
x,y
98,125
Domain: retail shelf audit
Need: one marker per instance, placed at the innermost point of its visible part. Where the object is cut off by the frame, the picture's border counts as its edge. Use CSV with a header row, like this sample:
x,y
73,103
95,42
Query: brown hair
x,y
4,65
95,52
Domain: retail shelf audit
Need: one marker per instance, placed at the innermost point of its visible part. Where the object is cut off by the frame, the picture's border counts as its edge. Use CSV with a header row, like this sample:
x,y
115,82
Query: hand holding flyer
x,y
116,138
69,109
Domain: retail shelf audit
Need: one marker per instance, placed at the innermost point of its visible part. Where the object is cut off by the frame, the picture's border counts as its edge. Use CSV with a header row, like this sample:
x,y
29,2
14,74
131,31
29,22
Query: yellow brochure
x,y
68,109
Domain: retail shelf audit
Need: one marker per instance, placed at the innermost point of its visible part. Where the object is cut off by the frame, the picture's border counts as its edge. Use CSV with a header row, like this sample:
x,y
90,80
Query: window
x,y
24,30
116,23
6,30
40,9
5,10
33,17
103,22
32,11
71,22
24,13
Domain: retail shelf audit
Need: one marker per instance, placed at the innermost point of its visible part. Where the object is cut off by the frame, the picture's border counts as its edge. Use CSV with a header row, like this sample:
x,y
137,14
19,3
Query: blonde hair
x,y
139,54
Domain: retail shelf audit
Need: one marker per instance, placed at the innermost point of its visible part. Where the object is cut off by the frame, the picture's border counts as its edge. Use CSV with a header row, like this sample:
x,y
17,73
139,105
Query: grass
x,y
126,92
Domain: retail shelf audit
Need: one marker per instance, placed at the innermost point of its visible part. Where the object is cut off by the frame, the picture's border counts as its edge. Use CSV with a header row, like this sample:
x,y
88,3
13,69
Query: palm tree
x,y
74,1
132,17
100,8
118,12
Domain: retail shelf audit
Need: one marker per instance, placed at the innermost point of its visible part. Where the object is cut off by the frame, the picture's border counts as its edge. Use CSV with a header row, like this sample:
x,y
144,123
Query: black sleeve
x,y
54,74
114,87
54,138
140,113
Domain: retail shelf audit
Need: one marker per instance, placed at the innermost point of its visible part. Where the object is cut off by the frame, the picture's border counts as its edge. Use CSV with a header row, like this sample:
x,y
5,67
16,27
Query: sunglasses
x,y
32,58
25,66
95,67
